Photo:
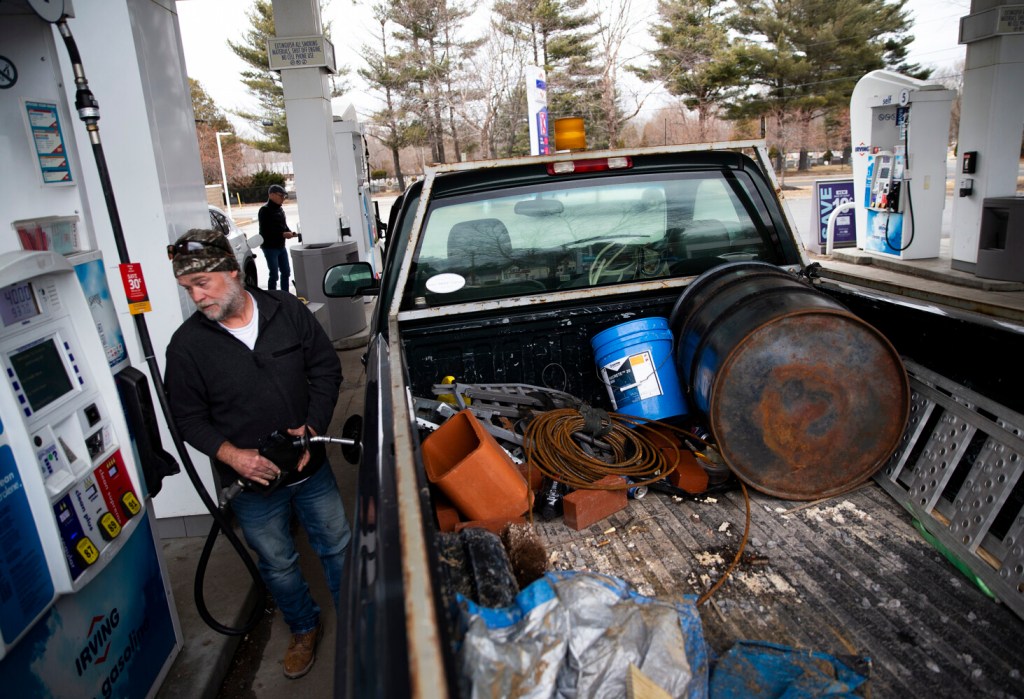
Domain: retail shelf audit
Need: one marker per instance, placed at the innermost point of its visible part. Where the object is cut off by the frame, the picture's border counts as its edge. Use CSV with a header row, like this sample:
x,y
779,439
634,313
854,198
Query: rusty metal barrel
x,y
805,399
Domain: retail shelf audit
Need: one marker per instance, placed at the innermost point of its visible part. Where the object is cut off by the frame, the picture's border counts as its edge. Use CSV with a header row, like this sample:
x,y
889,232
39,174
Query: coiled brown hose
x,y
554,445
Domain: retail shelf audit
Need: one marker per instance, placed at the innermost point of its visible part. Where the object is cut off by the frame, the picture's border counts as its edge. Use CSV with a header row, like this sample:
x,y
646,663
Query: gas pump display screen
x,y
17,303
41,370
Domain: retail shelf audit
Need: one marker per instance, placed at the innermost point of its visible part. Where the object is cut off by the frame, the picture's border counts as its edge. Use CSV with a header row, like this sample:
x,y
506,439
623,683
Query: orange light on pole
x,y
570,134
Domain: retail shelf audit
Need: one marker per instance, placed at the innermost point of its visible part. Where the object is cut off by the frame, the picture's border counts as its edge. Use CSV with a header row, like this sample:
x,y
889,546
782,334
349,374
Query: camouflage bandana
x,y
201,250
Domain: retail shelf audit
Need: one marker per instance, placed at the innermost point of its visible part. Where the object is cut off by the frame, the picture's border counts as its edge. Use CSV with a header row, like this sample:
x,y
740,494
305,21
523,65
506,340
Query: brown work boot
x,y
301,652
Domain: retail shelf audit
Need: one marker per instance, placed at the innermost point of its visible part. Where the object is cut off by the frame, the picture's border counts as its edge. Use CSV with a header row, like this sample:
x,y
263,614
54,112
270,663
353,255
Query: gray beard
x,y
233,303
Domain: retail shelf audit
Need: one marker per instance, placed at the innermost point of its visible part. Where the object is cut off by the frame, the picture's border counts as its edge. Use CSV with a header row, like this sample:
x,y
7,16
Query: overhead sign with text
x,y
300,52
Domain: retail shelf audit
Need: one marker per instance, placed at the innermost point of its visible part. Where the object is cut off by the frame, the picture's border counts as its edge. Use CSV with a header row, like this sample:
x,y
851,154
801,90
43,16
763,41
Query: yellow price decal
x,y
110,526
87,551
131,504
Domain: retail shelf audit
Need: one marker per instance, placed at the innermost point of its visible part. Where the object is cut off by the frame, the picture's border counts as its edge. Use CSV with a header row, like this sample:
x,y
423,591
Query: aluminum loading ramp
x,y
958,472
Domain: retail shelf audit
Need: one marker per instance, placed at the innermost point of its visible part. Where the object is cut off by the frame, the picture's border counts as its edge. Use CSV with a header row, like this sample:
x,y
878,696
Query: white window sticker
x,y
446,283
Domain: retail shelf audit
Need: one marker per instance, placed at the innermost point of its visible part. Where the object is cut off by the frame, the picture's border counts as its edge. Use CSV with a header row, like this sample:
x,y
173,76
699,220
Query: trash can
x,y
1001,241
343,317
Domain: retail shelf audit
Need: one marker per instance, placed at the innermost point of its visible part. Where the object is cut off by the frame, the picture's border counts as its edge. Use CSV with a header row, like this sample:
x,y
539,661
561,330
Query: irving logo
x,y
98,645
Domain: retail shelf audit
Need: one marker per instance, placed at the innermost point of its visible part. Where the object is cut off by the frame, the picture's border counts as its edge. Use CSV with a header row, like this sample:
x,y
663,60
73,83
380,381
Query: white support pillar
x,y
307,100
348,135
991,118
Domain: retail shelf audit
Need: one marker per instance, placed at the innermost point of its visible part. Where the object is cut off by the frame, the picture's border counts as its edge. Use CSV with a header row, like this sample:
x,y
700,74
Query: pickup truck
x,y
499,274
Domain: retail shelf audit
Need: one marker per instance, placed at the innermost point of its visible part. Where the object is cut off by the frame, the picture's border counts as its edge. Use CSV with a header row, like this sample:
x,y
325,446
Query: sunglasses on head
x,y
187,246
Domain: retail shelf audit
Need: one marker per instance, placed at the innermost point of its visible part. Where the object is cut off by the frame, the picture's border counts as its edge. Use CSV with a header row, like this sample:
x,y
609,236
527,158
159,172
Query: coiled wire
x,y
553,443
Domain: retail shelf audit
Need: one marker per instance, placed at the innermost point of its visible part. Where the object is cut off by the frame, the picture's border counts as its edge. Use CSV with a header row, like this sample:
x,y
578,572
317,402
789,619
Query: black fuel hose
x,y
89,113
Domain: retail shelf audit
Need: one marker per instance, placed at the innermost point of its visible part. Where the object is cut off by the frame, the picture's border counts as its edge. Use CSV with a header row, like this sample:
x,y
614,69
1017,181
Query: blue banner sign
x,y
828,195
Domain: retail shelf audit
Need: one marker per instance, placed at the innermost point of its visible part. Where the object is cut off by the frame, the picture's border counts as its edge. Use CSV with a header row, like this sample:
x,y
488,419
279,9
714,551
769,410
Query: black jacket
x,y
221,390
273,225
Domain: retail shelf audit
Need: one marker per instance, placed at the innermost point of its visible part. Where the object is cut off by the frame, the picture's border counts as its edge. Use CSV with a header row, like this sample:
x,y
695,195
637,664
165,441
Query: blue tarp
x,y
769,671
574,634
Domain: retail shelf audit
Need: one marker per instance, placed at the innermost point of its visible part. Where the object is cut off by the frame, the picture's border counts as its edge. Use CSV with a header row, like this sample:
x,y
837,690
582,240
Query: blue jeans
x,y
266,520
278,260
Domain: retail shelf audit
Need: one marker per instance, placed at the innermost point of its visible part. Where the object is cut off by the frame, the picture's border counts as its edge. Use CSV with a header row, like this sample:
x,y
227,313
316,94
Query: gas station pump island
x,y
900,131
85,603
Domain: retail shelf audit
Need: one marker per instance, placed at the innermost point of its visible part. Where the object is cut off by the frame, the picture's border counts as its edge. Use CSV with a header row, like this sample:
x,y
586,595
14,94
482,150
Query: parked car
x,y
499,275
244,245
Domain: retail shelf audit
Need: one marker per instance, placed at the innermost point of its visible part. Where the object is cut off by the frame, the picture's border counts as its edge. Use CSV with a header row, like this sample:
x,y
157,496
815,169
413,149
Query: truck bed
x,y
849,576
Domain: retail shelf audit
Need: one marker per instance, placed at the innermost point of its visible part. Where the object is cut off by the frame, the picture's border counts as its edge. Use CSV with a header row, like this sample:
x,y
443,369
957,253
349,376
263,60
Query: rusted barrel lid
x,y
805,399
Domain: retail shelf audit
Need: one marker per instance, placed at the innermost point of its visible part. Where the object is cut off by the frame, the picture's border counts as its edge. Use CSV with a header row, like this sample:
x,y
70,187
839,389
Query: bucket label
x,y
632,379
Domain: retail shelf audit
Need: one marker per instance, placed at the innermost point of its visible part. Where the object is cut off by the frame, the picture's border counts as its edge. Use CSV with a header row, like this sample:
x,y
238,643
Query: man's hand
x,y
289,234
300,432
249,464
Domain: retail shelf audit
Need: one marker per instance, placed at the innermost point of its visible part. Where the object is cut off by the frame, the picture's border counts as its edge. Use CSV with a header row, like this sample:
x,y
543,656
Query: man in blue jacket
x,y
246,364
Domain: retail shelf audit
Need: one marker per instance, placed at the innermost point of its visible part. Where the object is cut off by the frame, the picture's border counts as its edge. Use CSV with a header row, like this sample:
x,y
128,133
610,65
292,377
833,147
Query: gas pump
x,y
78,539
900,131
85,609
885,182
68,457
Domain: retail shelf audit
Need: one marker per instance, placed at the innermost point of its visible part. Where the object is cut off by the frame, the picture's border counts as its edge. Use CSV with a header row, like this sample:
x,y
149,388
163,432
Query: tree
x,y
432,53
384,74
614,25
807,55
486,91
265,84
560,36
694,59
210,120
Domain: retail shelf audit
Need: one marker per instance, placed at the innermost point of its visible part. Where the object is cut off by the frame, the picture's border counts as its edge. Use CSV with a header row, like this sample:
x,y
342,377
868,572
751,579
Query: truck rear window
x,y
574,234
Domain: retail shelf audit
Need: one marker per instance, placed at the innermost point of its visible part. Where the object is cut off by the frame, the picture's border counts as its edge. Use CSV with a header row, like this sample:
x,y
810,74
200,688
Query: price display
x,y
18,303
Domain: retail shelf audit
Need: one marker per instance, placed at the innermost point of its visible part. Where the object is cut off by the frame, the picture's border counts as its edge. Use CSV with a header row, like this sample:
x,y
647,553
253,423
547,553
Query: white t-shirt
x,y
249,332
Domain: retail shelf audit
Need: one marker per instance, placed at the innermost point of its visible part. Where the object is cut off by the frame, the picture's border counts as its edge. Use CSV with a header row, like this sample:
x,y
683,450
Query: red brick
x,y
687,473
447,514
491,525
533,476
584,507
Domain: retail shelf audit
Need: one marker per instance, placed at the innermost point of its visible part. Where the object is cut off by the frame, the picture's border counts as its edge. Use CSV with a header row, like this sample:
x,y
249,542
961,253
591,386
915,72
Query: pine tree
x,y
694,60
265,84
560,36
431,53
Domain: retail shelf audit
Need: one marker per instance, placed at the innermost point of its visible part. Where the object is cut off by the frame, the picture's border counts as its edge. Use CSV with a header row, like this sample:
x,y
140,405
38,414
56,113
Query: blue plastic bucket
x,y
634,361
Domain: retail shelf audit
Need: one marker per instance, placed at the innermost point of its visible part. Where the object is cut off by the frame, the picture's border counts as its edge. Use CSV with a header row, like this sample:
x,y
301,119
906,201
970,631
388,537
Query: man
x,y
248,363
275,231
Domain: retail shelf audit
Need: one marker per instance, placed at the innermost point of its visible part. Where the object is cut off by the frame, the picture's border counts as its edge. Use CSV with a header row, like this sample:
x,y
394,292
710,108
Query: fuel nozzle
x,y
286,450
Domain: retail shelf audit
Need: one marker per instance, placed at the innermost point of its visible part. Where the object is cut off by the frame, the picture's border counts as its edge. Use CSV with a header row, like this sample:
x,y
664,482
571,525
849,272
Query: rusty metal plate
x,y
810,404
